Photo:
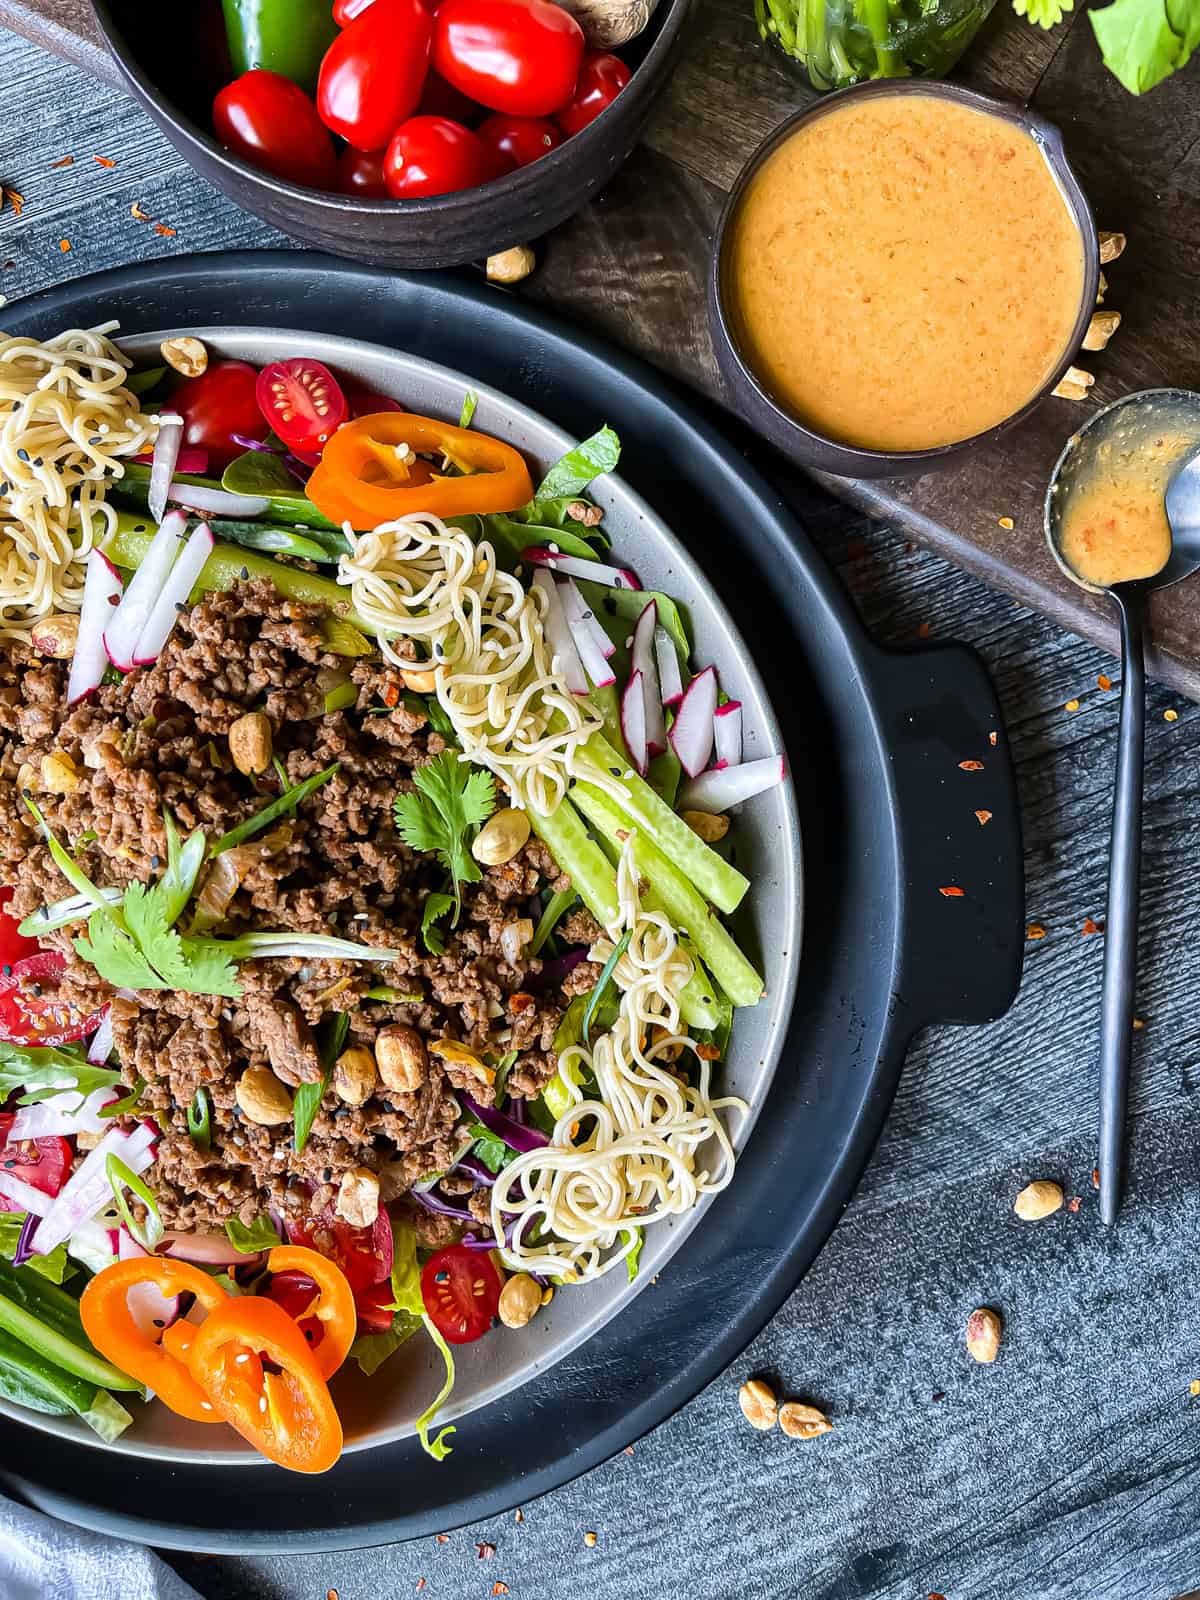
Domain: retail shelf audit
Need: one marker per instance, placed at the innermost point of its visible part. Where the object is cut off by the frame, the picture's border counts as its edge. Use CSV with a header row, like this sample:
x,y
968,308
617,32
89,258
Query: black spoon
x,y
1124,432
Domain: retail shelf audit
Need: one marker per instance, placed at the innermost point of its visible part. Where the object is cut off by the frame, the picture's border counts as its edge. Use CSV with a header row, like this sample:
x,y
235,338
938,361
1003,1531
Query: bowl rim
x,y
519,182
1045,134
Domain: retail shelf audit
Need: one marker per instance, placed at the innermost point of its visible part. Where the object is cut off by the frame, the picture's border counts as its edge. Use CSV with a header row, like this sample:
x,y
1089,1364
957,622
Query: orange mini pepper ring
x,y
335,1302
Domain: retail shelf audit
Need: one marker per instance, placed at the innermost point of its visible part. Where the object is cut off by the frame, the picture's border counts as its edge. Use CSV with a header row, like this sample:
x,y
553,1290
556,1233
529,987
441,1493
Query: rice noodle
x,y
627,1157
66,420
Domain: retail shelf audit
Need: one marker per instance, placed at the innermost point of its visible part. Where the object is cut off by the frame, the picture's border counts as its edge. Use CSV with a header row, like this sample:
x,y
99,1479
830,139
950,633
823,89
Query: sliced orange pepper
x,y
366,476
157,1363
334,1308
288,1415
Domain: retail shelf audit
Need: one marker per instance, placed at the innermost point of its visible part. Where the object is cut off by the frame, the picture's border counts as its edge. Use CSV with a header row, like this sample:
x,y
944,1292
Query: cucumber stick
x,y
46,1319
28,1379
578,854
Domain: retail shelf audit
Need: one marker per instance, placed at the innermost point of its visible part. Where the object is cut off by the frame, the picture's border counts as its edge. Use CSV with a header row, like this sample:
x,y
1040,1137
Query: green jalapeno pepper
x,y
285,36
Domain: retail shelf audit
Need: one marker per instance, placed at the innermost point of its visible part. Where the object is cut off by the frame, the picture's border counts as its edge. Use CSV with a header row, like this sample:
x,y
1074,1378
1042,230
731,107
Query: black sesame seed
x,y
4,487
245,574
35,989
139,527
39,461
7,970
180,606
155,863
96,439
22,455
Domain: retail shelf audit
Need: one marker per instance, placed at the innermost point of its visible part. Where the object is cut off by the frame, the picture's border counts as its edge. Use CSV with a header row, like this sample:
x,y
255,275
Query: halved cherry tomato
x,y
521,139
221,402
374,1307
30,1009
601,78
433,155
288,1414
461,1291
329,1301
159,1364
360,172
362,480
364,1255
520,56
374,71
42,1163
272,124
302,401
14,946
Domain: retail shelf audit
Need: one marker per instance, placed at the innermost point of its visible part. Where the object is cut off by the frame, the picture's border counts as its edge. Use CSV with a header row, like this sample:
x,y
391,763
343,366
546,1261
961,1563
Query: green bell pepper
x,y
285,36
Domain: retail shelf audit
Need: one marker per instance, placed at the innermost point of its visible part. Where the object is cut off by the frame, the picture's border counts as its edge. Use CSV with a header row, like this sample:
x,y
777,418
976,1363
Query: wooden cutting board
x,y
633,264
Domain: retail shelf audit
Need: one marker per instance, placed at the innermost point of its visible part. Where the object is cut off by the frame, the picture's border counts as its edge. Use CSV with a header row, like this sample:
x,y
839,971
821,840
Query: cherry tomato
x,y
30,1009
601,79
366,403
374,1307
520,56
345,11
43,1163
14,946
442,99
522,139
360,172
432,155
271,123
461,1291
374,71
302,401
364,1254
221,402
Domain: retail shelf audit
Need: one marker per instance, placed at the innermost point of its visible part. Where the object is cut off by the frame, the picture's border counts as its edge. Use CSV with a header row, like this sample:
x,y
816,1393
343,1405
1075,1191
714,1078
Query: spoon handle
x,y
1121,927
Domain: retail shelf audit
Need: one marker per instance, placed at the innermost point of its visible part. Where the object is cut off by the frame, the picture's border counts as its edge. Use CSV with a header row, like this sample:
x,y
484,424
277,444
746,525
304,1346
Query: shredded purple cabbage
x,y
515,1134
441,1206
556,969
518,1110
25,1241
476,1169
247,443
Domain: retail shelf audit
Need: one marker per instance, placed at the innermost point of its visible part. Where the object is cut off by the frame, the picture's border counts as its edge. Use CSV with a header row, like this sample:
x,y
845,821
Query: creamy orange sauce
x,y
1114,528
904,272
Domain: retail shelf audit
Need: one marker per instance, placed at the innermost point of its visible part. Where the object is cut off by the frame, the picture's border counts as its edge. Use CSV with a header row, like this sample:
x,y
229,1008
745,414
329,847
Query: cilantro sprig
x,y
449,805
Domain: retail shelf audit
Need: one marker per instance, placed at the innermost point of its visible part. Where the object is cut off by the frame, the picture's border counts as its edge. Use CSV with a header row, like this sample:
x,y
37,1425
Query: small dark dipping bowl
x,y
770,416
171,60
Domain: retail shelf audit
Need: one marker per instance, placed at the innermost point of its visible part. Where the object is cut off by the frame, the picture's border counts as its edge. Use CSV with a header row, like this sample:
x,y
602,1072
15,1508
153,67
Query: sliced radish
x,y
728,786
539,555
727,733
101,597
692,731
633,721
162,463
558,635
190,460
88,1188
641,660
219,502
130,618
63,1115
205,1249
173,596
666,658
591,641
150,1309
94,1245
100,1048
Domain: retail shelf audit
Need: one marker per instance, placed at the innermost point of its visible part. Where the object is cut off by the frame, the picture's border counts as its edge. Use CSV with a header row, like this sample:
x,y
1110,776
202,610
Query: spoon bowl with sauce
x,y
1122,518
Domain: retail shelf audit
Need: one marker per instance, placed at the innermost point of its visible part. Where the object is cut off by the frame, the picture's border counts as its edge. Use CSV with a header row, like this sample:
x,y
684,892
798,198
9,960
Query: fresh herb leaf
x,y
183,868
556,908
52,1266
107,947
282,807
199,1120
437,905
503,1067
434,712
573,473
262,1234
305,1105
467,414
631,1260
489,1147
41,1071
450,803
602,983
332,1032
1043,13
121,1178
437,1447
1144,41
128,1103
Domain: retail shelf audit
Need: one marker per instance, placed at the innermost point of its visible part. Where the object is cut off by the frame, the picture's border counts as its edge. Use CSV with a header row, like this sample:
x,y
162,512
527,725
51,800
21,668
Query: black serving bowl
x,y
172,63
755,401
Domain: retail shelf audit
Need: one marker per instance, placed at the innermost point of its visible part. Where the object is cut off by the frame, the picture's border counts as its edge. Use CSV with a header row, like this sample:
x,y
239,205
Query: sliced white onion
x,y
150,1309
219,502
63,1115
205,1249
727,733
173,597
692,731
728,786
101,597
633,721
101,1046
558,635
666,658
576,567
641,659
162,463
24,1195
88,1188
587,634
128,621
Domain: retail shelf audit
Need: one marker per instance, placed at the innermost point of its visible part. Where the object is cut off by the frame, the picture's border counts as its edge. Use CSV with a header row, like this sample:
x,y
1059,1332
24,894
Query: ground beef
x,y
157,742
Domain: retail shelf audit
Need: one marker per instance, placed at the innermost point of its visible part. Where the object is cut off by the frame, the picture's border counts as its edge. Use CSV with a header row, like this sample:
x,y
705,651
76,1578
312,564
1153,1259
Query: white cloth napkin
x,y
44,1559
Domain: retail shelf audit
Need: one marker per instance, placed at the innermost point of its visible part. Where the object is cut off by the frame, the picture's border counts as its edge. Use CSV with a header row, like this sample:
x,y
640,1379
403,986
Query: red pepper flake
x,y
104,161
1035,931
521,1001
15,200
67,161
923,631
970,766
951,891
443,1538
65,246
332,1594
137,213
933,1596
518,1515
983,818
992,737
391,695
485,1551
1089,927
1104,682
167,233
628,1449
1073,1204
708,1052
1095,1177
499,1588
420,1584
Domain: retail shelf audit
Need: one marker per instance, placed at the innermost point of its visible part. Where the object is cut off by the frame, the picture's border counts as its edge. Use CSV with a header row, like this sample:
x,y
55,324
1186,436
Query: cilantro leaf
x,y
573,473
109,949
489,1147
437,905
1043,13
262,1234
451,801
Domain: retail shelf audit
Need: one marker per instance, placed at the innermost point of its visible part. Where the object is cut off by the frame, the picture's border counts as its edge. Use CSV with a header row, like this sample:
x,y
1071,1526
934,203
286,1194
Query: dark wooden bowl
x,y
444,231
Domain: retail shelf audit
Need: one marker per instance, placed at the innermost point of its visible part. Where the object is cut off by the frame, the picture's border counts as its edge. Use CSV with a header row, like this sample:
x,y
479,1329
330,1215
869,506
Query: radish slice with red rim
x,y
558,636
101,596
641,660
190,459
173,596
217,502
727,733
633,721
130,618
666,657
204,1249
591,641
692,731
576,567
729,786
164,461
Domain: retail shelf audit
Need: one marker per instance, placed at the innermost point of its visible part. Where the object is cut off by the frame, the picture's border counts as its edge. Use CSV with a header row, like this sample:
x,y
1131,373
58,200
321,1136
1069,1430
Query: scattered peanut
x,y
1101,329
1074,384
757,1400
402,1058
511,266
60,775
55,637
186,355
503,836
520,1299
358,1197
421,680
251,742
1101,290
581,511
263,1098
706,826
801,1421
1111,246
983,1335
354,1075
1038,1199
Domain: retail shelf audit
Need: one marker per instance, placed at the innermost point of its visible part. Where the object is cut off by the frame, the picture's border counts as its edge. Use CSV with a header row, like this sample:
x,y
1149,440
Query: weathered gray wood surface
x,y
1065,1472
